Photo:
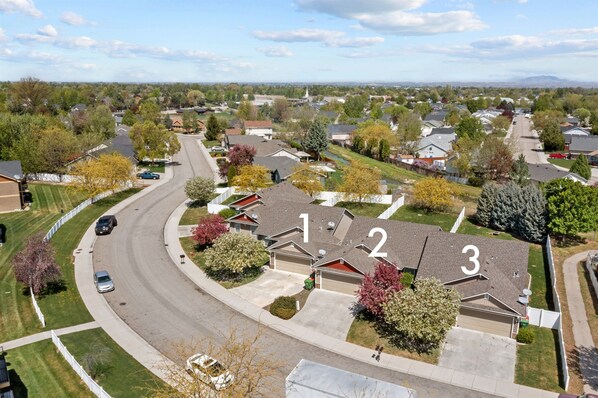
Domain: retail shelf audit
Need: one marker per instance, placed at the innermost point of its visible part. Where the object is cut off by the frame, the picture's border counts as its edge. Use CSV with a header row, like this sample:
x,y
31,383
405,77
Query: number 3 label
x,y
473,259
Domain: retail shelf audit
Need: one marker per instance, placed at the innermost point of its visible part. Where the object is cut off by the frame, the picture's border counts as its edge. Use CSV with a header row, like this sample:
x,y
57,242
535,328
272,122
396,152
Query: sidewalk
x,y
34,338
581,330
407,366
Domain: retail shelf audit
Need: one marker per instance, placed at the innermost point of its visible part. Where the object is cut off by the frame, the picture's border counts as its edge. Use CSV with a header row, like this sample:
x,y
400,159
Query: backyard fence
x,y
94,387
48,177
458,221
38,311
216,206
543,318
331,198
557,307
394,207
591,264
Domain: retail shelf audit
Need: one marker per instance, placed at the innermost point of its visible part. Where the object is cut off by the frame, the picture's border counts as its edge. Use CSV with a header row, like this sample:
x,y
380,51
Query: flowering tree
x,y
200,189
239,155
35,266
377,288
208,229
232,254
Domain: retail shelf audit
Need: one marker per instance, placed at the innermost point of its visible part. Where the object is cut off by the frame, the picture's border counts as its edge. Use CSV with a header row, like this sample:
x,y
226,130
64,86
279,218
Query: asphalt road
x,y
157,301
526,141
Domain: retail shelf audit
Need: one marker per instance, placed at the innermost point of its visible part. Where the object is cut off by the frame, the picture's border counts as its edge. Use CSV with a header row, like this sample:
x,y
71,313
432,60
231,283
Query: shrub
x,y
526,336
406,279
227,213
475,181
283,307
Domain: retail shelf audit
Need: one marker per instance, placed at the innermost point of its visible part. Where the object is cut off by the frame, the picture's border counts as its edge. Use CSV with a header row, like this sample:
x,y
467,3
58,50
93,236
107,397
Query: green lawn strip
x,y
158,167
363,209
537,363
411,214
124,376
192,214
566,163
363,332
39,370
469,227
198,259
232,199
538,269
209,144
17,317
65,307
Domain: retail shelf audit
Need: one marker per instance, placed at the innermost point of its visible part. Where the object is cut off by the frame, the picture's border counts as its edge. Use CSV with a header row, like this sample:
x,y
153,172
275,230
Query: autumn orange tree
x,y
433,194
108,172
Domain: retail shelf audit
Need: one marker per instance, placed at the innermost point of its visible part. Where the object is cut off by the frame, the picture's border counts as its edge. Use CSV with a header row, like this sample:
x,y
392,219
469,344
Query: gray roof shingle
x,y
548,172
583,144
284,165
11,169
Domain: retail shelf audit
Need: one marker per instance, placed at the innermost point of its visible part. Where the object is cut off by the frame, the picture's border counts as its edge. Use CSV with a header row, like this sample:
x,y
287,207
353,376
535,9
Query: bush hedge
x,y
283,307
227,213
526,336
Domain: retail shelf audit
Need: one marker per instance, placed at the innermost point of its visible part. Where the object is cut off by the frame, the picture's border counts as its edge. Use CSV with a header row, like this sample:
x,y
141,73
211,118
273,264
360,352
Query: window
x,y
237,227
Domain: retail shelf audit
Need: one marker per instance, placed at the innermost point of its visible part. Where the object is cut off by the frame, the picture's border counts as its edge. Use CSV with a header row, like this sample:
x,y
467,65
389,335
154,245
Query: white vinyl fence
x,y
394,207
91,384
557,307
47,177
38,311
216,206
458,221
332,198
543,318
591,264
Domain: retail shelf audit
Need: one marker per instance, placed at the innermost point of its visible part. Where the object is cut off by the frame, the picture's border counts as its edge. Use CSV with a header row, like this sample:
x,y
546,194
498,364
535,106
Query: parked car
x,y
558,156
217,148
105,224
148,175
210,371
103,282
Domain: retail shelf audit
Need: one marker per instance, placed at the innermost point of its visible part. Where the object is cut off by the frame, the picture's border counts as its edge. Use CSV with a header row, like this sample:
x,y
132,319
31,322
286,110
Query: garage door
x,y
484,322
297,265
340,283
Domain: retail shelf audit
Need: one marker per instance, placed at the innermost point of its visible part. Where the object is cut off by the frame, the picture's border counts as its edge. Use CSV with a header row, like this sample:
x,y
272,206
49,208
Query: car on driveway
x,y
148,175
103,282
218,149
558,156
105,224
209,371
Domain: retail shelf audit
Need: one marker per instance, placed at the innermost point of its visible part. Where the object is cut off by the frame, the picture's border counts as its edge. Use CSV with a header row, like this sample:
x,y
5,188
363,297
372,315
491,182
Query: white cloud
x,y
576,31
48,30
276,51
329,38
66,42
3,36
35,57
71,18
25,6
397,17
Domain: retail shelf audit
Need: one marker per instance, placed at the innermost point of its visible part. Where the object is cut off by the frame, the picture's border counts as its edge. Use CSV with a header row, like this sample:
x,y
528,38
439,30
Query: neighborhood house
x,y
12,186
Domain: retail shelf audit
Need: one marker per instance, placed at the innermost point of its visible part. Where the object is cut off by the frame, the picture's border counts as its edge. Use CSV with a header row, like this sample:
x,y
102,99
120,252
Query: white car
x,y
210,371
218,149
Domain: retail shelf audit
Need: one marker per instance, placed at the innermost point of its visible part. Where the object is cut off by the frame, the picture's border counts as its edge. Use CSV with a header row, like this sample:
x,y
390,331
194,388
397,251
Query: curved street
x,y
164,307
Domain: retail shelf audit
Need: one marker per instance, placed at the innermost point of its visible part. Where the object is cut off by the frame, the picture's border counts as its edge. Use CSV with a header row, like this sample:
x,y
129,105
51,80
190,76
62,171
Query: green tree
x,y
470,127
508,206
384,150
317,138
29,95
190,121
233,254
500,125
360,181
408,130
354,106
371,133
433,194
213,128
583,115
57,146
101,122
486,203
280,110
200,189
129,118
495,158
149,111
376,111
153,141
422,317
582,167
520,171
572,207
423,109
552,138
247,111
531,223
195,97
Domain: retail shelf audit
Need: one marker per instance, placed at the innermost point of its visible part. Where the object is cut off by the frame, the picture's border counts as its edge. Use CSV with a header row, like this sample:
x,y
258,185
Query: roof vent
x,y
321,253
523,300
331,225
254,216
516,274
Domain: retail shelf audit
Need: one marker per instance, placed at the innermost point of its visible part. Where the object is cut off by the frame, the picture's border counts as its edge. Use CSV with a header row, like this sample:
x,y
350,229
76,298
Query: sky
x,y
364,41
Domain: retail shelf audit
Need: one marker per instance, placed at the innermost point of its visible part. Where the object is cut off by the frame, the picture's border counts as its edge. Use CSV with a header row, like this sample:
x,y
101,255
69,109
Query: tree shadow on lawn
x,y
586,357
53,287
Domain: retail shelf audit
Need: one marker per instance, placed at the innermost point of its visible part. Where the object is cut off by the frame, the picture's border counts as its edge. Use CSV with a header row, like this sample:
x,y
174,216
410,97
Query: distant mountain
x,y
546,81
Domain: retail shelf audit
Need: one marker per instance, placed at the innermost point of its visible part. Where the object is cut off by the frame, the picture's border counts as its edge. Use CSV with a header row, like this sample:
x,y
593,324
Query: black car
x,y
105,225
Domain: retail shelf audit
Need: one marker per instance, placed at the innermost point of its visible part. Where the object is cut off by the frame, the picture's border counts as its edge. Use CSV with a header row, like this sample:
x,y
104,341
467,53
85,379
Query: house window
x,y
237,227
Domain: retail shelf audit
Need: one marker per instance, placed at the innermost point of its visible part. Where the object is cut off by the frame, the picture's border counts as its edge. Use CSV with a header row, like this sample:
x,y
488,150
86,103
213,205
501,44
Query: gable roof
x,y
263,146
442,141
121,143
283,164
574,130
583,144
436,115
257,124
11,169
233,131
503,266
443,130
334,129
549,172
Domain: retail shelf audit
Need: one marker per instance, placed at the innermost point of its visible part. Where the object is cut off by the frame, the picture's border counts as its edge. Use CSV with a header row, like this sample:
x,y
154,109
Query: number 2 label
x,y
473,259
375,252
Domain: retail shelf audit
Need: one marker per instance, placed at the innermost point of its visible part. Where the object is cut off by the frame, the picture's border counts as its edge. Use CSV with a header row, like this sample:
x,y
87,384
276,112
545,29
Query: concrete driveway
x,y
478,353
270,285
327,312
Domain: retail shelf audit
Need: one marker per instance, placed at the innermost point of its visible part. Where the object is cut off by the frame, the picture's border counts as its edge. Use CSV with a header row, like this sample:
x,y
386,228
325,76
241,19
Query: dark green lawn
x,y
538,269
232,199
566,163
192,214
363,209
124,376
537,364
411,214
17,317
209,144
469,227
154,168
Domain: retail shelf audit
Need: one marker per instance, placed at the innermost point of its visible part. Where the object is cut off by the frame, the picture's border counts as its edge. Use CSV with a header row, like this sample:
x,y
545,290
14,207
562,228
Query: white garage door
x,y
340,283
297,265
484,322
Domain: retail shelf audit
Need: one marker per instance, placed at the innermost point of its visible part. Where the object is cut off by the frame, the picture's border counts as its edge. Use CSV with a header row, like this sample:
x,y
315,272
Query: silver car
x,y
210,371
103,282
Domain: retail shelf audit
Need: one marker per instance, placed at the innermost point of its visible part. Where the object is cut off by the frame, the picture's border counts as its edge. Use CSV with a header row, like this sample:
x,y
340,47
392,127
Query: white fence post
x,y
38,311
215,206
94,387
458,221
393,208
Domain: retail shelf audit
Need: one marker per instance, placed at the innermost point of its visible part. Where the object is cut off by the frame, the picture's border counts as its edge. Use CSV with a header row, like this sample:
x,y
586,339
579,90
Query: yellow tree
x,y
306,179
371,133
433,194
252,178
359,181
108,172
153,141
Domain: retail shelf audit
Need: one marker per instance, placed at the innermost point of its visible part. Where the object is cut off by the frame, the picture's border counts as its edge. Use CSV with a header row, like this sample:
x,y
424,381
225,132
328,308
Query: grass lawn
x,y
363,332
232,199
411,214
124,376
566,163
363,209
537,363
192,214
469,227
209,144
39,370
538,269
198,259
154,168
17,317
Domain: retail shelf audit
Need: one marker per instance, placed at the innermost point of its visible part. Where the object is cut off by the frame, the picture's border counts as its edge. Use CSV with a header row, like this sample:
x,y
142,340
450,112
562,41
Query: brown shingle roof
x,y
257,124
